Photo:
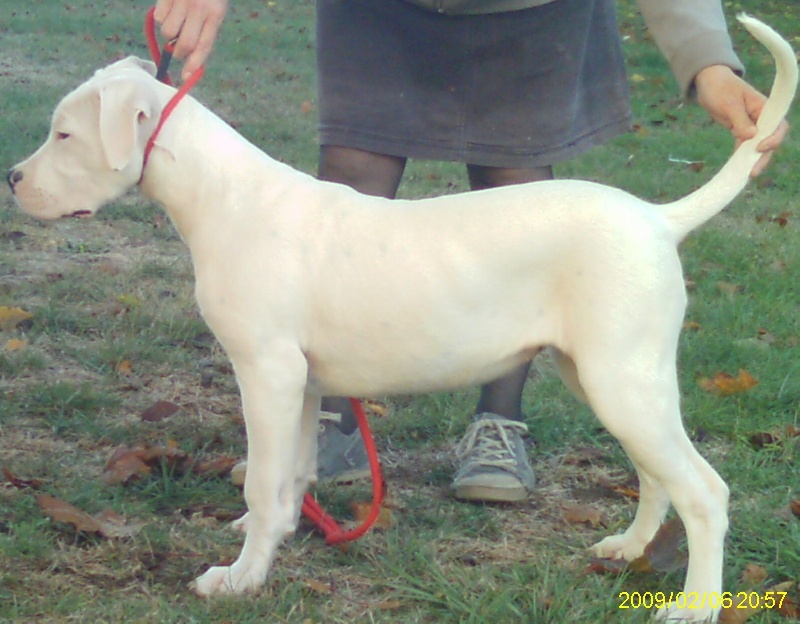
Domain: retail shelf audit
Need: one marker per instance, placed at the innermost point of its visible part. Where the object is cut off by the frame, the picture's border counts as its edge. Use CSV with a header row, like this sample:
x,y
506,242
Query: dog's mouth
x,y
79,214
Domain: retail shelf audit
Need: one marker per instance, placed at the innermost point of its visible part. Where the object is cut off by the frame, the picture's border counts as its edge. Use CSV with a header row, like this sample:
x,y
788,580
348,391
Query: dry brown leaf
x,y
361,511
22,484
124,367
107,523
160,410
736,615
626,491
795,507
15,344
754,574
663,553
218,467
725,384
11,317
576,513
790,606
318,587
606,566
761,439
127,464
375,408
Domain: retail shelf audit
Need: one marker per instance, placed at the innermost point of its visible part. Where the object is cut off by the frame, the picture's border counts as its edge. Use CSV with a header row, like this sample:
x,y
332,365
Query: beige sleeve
x,y
691,35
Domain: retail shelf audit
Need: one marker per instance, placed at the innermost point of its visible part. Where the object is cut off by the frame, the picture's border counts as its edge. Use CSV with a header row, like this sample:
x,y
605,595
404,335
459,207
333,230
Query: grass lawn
x,y
98,325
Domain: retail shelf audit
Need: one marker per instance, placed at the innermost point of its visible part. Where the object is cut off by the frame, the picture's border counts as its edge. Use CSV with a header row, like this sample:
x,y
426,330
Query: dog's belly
x,y
391,362
408,376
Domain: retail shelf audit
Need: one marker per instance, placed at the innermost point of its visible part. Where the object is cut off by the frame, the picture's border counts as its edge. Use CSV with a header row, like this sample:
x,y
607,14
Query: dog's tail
x,y
698,207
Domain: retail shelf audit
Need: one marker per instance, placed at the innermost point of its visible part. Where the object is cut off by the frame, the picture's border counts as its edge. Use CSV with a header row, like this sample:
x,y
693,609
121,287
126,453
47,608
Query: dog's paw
x,y
242,524
623,546
235,579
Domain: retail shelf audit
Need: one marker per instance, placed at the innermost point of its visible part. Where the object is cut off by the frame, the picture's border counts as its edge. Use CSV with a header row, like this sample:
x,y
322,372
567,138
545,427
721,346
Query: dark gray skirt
x,y
519,89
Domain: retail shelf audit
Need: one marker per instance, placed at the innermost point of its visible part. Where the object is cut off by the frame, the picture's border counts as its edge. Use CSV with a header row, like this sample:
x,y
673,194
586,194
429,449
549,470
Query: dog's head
x,y
95,148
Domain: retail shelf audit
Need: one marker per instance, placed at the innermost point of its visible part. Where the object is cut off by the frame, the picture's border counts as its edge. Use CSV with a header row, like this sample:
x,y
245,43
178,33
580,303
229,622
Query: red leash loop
x,y
162,60
334,534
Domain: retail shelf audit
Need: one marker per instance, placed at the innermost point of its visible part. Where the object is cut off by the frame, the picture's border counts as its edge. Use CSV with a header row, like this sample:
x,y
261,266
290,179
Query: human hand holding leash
x,y
195,25
735,104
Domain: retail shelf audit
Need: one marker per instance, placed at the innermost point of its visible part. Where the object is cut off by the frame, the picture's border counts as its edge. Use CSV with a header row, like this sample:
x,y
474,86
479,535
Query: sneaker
x,y
341,458
493,463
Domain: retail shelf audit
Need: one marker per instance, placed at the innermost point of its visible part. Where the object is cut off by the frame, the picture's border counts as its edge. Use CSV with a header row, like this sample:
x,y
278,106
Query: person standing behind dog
x,y
508,87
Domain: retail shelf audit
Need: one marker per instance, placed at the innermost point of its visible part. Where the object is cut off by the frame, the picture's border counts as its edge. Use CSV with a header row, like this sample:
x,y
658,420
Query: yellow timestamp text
x,y
702,600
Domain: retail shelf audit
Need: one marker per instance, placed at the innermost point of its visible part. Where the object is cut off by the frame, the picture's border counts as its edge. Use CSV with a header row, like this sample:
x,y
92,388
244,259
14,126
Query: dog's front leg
x,y
272,391
306,465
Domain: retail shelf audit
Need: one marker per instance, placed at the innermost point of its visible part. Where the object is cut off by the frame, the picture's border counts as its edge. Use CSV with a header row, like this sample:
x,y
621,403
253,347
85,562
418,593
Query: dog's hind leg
x,y
272,388
639,404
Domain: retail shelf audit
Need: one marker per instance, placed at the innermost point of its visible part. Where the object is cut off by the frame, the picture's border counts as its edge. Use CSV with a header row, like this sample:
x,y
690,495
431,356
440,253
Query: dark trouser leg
x,y
371,174
503,396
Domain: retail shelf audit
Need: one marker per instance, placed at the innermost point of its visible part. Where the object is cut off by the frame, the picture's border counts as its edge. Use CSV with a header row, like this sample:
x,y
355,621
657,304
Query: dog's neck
x,y
194,139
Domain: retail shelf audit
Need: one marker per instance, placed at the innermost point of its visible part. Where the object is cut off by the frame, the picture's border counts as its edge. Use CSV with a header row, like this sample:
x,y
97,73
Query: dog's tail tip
x,y
687,213
755,26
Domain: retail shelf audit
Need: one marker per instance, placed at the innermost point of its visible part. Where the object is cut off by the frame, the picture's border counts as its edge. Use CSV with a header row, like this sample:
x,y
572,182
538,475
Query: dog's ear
x,y
129,62
126,113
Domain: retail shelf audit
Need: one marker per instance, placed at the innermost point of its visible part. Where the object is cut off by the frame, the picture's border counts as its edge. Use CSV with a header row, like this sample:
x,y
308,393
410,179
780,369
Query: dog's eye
x,y
60,136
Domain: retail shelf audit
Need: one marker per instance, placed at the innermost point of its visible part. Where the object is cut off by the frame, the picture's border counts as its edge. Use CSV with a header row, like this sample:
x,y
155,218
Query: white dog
x,y
314,289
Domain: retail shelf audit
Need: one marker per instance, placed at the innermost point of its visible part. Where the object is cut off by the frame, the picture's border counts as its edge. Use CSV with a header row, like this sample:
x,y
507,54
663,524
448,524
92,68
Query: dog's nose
x,y
14,178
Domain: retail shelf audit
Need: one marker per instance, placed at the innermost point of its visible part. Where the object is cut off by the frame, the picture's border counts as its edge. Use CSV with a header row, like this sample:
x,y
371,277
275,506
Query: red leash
x,y
334,534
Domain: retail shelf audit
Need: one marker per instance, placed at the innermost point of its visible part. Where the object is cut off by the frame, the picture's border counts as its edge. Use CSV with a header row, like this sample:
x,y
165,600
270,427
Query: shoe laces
x,y
488,442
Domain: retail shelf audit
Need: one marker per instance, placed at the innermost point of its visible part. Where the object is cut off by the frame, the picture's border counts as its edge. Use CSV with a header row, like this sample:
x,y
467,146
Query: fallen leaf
x,y
124,367
753,574
22,484
318,587
663,553
725,384
576,513
160,410
790,607
125,465
361,511
375,408
736,614
11,317
15,344
128,464
762,439
219,467
606,566
107,523
627,492
795,507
